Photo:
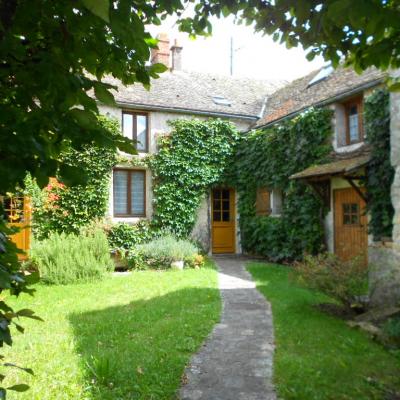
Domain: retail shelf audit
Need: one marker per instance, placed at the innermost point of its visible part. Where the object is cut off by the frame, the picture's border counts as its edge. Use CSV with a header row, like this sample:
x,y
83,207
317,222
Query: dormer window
x,y
354,126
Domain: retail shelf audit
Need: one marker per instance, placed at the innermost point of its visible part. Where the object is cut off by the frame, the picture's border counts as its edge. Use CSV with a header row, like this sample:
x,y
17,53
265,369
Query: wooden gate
x,y
223,220
351,225
18,214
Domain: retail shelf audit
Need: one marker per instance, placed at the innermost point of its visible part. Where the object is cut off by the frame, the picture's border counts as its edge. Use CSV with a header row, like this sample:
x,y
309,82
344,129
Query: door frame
x,y
232,196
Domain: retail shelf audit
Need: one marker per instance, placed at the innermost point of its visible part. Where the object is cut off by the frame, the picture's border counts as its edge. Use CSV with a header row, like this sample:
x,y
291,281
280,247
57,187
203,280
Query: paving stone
x,y
236,362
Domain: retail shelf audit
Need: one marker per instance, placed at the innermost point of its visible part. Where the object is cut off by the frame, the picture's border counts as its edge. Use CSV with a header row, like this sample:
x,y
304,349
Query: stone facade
x,y
384,257
158,123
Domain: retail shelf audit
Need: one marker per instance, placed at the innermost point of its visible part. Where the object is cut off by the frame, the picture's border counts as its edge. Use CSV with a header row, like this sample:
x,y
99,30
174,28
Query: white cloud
x,y
255,55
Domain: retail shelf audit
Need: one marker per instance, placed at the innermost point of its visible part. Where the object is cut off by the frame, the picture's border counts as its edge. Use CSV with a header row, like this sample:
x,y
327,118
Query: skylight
x,y
221,101
322,74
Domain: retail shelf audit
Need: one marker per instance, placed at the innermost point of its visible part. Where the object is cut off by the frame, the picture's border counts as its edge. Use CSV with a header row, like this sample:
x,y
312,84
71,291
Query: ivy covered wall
x,y
380,171
59,208
266,159
195,156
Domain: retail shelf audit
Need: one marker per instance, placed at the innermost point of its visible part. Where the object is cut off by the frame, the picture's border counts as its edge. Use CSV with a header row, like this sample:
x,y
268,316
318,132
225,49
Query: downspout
x,y
264,105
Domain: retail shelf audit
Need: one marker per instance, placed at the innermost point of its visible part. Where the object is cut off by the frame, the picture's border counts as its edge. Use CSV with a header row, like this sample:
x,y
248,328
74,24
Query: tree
x,y
363,32
54,54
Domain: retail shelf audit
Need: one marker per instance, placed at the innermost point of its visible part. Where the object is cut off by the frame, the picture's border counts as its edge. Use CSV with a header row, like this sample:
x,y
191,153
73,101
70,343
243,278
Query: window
x,y
263,202
129,193
135,126
221,205
351,215
354,129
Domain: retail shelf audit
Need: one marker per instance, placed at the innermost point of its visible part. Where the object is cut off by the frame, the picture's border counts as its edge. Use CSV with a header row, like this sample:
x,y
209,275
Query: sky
x,y
255,56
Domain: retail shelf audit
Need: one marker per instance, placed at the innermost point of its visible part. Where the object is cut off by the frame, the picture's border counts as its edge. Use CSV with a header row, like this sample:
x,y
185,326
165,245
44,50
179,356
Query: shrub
x,y
124,236
68,258
161,252
343,281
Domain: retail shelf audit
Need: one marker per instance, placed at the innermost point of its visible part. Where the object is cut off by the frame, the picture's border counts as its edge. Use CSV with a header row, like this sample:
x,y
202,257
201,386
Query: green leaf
x,y
103,95
27,313
19,388
158,68
27,370
100,8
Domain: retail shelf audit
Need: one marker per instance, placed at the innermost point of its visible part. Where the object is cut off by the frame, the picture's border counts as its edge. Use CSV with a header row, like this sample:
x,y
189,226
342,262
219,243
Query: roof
x,y
339,167
194,91
300,95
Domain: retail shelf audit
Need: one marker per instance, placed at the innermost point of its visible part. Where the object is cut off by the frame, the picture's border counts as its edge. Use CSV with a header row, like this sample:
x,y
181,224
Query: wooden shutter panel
x,y
263,201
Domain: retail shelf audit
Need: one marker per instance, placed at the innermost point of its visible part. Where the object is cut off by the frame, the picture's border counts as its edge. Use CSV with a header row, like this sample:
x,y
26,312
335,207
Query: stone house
x,y
338,182
144,115
252,104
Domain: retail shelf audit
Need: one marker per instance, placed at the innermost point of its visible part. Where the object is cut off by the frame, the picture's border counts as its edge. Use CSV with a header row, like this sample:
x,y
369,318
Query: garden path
x,y
236,361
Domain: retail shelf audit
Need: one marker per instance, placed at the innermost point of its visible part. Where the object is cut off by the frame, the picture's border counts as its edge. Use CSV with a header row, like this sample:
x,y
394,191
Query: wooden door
x,y
18,213
223,220
351,225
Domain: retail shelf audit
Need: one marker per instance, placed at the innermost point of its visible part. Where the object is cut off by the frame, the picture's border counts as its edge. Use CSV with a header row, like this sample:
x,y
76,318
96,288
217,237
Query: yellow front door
x,y
223,220
18,213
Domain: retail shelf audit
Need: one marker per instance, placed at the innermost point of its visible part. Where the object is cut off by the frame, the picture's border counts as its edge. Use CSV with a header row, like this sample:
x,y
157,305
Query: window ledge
x,y
349,148
129,220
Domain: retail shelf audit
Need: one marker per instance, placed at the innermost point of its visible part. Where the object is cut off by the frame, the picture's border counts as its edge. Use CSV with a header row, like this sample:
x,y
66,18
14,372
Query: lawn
x,y
127,337
319,356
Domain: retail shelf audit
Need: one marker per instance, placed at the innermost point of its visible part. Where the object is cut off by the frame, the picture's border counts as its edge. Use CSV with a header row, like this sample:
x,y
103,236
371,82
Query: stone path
x,y
236,360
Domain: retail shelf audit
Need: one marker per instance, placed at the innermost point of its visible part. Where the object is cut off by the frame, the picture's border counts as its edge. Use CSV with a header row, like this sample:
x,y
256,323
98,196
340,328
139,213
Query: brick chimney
x,y
161,54
176,56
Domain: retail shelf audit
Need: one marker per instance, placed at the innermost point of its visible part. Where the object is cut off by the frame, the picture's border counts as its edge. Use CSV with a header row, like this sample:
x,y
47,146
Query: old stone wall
x,y
385,257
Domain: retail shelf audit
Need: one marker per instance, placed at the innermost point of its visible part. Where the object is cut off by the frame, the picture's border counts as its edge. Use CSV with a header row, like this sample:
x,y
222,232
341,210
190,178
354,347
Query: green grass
x,y
319,356
127,337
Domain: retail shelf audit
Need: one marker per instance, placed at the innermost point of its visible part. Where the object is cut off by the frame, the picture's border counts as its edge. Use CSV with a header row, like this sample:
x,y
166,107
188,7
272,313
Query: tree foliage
x,y
266,159
364,32
190,160
380,172
60,208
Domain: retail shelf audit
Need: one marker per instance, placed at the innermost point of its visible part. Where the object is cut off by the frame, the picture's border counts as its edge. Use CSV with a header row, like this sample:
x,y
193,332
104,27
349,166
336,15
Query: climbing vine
x,y
267,158
380,171
195,156
61,208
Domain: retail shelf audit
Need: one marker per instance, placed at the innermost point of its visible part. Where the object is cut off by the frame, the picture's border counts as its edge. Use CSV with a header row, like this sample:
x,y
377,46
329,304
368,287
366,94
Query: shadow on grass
x,y
139,350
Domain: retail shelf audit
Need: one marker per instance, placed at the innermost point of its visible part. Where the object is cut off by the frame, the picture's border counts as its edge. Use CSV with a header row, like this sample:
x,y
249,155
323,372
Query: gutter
x,y
321,103
180,110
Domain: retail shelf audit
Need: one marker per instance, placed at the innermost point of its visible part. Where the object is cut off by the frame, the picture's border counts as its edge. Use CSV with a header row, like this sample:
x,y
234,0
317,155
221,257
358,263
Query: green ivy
x,y
267,158
380,171
190,160
59,208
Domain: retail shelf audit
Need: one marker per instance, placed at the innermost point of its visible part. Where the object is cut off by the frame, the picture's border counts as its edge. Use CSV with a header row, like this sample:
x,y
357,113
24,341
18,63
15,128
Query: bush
x,y
68,258
345,282
124,236
161,252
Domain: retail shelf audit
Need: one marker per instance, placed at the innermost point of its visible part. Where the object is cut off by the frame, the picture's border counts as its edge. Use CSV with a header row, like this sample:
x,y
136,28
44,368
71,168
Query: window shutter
x,y
263,202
